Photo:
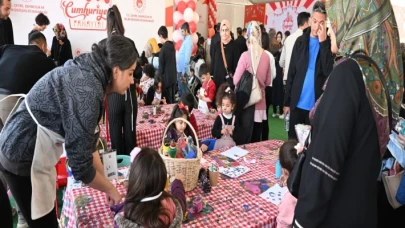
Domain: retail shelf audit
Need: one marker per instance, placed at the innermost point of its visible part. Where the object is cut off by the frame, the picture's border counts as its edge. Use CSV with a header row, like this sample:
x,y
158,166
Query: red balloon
x,y
178,45
191,4
194,49
193,27
180,23
181,7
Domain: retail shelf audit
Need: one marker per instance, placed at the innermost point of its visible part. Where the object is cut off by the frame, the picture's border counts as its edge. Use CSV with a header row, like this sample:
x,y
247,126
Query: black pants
x,y
265,132
387,215
122,122
169,93
6,216
22,190
257,132
297,116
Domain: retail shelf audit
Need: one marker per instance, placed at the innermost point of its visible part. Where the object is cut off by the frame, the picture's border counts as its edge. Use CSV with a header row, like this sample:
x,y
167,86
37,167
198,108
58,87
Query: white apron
x,y
202,105
48,149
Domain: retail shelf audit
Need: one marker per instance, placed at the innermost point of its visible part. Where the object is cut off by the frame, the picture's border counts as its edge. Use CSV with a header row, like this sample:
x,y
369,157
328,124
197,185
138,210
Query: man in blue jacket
x,y
183,59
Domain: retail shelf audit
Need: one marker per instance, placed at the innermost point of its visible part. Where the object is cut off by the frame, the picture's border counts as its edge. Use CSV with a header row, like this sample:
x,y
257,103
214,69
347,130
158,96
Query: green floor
x,y
276,128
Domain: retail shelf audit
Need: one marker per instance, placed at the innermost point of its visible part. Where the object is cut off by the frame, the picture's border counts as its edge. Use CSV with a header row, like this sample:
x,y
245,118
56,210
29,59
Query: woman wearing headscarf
x,y
122,109
257,62
350,125
225,49
152,50
61,50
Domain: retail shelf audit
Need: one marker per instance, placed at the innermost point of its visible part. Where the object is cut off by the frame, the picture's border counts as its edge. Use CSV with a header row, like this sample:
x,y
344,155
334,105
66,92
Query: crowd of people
x,y
310,77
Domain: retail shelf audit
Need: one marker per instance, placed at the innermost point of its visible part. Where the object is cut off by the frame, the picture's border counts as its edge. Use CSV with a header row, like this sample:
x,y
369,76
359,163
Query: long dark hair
x,y
114,21
114,52
288,155
178,112
147,178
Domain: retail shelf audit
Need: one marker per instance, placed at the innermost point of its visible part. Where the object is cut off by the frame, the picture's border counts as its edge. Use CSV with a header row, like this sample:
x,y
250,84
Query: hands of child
x,y
113,197
180,177
224,131
155,101
204,148
164,100
141,103
230,131
48,52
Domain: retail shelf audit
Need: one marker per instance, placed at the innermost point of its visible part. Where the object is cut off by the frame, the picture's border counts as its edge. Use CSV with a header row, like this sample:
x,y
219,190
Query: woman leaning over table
x,y
66,105
350,125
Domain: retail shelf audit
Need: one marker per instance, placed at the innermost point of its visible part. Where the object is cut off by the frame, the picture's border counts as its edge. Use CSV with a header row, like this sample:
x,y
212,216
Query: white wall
x,y
234,13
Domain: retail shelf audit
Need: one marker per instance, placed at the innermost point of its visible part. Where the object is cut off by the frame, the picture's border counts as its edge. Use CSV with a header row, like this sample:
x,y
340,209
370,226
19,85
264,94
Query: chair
x,y
123,160
211,143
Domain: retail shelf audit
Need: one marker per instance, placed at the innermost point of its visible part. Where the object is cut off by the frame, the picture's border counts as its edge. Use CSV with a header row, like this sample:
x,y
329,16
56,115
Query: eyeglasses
x,y
319,9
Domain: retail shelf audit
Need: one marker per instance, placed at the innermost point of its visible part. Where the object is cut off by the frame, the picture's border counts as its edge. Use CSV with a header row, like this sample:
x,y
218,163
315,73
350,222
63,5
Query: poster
x,y
85,20
282,16
255,13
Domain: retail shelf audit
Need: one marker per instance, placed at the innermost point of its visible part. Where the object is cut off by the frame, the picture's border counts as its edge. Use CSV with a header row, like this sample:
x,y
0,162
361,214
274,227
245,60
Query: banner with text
x,y
85,20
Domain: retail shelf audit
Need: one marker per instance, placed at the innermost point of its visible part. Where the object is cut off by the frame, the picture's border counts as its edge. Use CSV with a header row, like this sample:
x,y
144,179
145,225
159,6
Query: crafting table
x,y
150,134
85,207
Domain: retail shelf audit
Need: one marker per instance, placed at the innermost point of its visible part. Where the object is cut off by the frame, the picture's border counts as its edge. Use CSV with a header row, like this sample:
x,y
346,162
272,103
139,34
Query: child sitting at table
x,y
155,95
147,79
147,204
288,156
206,95
226,122
188,100
180,128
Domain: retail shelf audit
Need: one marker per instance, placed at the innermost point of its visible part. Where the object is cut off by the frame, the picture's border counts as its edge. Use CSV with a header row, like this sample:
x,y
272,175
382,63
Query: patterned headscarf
x,y
370,26
254,37
60,30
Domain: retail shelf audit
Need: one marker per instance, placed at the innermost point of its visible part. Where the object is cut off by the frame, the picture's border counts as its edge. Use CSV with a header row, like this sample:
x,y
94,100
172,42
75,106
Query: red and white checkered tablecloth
x,y
227,198
150,135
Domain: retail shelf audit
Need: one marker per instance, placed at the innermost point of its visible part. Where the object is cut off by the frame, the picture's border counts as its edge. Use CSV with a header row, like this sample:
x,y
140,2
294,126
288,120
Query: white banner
x,y
85,20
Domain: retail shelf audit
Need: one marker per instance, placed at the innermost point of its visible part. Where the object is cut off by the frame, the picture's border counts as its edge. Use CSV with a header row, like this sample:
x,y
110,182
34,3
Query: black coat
x,y
214,40
218,70
299,65
61,53
6,32
241,42
167,64
339,176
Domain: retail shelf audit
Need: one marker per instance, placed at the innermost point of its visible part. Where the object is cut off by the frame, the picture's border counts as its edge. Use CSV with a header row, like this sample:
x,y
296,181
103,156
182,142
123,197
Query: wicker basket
x,y
190,168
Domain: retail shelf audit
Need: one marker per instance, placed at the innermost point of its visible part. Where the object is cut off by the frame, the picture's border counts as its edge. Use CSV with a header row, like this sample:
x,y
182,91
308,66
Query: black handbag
x,y
294,179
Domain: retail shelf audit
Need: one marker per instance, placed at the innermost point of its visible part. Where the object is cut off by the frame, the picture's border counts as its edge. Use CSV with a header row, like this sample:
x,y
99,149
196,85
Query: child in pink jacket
x,y
288,156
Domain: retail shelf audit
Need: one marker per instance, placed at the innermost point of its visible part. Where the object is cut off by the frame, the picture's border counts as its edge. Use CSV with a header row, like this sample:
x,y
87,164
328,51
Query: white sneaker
x,y
274,115
281,117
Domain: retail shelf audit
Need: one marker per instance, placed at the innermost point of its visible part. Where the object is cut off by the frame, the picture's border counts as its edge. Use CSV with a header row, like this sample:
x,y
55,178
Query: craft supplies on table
x,y
235,153
149,134
229,204
274,194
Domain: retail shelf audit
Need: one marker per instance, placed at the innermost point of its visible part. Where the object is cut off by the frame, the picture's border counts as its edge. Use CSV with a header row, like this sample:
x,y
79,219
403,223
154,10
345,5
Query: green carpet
x,y
276,131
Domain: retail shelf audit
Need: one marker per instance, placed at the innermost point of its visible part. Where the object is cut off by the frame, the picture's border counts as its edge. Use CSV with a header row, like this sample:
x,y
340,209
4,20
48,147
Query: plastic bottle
x,y
287,122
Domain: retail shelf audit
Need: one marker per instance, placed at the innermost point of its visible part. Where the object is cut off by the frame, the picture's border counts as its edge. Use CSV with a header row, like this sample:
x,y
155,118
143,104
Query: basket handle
x,y
188,123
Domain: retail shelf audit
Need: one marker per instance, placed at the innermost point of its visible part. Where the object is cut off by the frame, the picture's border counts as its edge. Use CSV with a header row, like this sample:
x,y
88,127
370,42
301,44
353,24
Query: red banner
x,y
255,13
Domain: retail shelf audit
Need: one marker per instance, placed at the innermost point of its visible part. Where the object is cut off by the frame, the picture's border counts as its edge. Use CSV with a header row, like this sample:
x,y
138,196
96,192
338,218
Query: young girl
x,y
225,123
288,156
146,203
147,79
180,128
154,95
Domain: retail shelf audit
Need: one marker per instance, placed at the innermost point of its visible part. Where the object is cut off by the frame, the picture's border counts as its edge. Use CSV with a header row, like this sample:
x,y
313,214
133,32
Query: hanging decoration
x,y
212,10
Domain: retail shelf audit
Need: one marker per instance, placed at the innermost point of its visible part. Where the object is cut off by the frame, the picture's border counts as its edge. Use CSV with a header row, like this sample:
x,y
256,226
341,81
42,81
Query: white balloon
x,y
196,18
177,36
186,1
195,37
188,15
177,16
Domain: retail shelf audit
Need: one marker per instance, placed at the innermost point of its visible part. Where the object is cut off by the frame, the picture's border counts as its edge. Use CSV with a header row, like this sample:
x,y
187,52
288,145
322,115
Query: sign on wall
x,y
282,16
86,20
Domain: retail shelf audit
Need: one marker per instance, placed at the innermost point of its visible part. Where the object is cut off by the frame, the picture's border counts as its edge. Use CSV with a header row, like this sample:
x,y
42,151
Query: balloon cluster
x,y
185,13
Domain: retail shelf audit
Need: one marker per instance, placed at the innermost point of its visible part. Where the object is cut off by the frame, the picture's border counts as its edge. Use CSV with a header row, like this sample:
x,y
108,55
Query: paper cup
x,y
213,178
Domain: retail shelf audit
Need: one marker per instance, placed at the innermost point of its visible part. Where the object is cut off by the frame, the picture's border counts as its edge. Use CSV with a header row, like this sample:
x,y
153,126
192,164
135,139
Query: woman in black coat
x,y
61,50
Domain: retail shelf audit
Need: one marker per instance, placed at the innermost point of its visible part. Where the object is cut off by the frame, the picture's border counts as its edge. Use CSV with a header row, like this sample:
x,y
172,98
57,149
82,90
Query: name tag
x,y
110,165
